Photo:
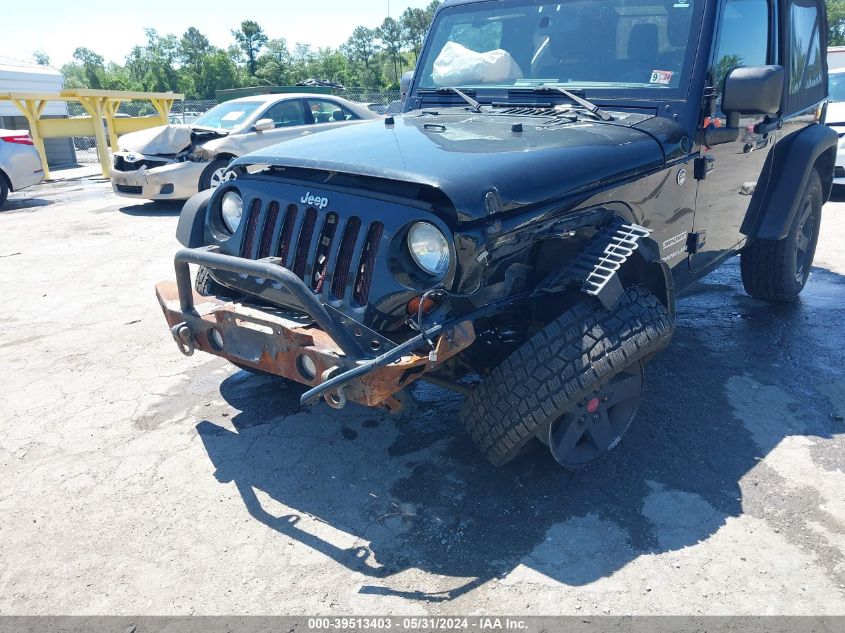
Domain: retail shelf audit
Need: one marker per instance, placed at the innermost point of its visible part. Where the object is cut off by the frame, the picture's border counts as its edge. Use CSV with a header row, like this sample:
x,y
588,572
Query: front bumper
x,y
275,341
176,181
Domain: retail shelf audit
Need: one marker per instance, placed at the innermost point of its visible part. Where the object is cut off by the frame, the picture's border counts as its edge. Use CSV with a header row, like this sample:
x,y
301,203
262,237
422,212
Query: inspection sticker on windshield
x,y
662,77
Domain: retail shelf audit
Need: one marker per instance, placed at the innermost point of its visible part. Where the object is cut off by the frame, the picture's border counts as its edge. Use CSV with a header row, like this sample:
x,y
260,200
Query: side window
x,y
285,113
742,38
325,111
805,67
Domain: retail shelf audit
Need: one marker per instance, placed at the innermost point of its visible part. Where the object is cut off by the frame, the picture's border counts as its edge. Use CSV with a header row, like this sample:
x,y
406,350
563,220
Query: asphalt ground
x,y
138,481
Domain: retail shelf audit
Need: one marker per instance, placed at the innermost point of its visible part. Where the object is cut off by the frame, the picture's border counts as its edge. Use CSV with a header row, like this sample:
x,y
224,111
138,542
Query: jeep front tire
x,y
564,383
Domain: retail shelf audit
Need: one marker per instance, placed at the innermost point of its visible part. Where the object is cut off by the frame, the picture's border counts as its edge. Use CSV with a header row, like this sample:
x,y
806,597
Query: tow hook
x,y
182,335
335,398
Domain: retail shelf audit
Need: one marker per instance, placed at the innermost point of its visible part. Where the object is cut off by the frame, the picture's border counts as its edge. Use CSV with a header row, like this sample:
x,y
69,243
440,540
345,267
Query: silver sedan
x,y
173,162
20,165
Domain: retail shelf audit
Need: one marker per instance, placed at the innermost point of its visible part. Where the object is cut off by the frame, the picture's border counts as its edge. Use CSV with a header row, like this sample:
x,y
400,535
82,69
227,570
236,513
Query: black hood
x,y
466,155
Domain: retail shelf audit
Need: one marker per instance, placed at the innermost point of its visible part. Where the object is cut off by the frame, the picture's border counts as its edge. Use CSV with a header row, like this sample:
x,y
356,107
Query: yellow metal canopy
x,y
101,105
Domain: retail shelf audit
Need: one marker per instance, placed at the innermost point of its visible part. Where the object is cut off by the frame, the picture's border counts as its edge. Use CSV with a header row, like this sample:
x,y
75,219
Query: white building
x,y
22,76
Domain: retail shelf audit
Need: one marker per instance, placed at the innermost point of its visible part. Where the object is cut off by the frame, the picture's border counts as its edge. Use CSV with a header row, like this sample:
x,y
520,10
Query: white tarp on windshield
x,y
458,65
165,139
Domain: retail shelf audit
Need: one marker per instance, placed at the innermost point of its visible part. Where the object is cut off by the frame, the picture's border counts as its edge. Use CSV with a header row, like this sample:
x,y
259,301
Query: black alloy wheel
x,y
596,424
804,244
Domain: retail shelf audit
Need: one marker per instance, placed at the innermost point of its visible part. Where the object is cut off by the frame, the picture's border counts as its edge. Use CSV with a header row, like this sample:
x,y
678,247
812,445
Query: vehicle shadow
x,y
14,203
154,208
415,493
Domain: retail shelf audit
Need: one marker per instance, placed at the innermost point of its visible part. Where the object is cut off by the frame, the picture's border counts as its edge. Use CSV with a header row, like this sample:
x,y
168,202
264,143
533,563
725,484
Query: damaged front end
x,y
162,163
340,358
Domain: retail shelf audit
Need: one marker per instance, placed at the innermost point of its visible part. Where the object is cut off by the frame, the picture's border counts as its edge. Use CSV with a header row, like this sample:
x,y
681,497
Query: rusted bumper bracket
x,y
315,350
269,269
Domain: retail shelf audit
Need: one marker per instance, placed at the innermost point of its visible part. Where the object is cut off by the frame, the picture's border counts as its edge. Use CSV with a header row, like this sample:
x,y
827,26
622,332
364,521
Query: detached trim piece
x,y
619,244
596,266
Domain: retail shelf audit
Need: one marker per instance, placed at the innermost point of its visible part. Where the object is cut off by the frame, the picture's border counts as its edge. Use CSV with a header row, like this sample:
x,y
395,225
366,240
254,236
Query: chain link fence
x,y
187,111
376,100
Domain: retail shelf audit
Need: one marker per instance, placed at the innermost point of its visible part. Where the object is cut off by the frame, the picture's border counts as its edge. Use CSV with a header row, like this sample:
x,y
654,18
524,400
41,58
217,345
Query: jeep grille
x,y
334,255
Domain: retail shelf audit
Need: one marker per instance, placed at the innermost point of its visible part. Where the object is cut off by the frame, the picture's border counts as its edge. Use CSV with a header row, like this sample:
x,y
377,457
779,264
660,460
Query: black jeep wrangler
x,y
562,170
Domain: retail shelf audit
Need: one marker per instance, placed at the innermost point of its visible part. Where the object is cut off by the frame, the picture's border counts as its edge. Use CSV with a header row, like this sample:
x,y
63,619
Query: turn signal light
x,y
428,305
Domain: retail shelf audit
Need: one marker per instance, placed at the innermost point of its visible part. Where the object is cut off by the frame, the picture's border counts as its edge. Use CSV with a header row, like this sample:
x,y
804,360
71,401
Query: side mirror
x,y
262,125
748,90
753,90
405,83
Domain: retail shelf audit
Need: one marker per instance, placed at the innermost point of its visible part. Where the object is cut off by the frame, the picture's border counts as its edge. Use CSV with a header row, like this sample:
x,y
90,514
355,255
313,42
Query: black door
x,y
743,38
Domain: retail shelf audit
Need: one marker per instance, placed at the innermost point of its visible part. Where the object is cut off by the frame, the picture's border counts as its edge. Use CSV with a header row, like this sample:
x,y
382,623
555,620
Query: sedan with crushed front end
x,y
173,162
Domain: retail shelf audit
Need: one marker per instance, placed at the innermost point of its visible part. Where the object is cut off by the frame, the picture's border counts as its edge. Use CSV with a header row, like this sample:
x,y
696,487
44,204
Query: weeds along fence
x,y
189,110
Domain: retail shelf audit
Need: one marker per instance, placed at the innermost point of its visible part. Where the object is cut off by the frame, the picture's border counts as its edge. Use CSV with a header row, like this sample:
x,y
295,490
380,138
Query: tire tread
x,y
561,363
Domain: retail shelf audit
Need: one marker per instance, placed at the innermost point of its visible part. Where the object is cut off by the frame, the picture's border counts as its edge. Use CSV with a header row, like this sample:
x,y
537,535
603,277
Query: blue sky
x,y
113,27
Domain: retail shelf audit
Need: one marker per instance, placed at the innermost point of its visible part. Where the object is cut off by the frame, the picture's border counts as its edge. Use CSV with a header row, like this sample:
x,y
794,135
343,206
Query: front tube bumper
x,y
276,342
269,269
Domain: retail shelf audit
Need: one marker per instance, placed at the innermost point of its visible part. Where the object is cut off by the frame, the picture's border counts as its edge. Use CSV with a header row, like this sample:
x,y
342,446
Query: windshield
x,y
642,47
228,115
837,86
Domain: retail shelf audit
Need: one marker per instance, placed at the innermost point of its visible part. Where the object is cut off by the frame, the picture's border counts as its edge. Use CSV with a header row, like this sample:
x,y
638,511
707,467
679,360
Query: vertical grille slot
x,y
304,242
364,278
344,256
269,231
324,246
287,233
251,229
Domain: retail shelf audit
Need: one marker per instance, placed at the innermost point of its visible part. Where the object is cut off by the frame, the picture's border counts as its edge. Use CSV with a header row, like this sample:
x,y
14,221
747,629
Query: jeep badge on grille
x,y
314,201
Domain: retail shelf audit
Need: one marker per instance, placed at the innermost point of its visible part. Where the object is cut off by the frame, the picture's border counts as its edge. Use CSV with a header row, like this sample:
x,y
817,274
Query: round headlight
x,y
429,248
232,209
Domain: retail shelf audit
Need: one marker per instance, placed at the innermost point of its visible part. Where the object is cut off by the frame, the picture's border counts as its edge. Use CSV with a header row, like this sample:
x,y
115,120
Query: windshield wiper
x,y
591,107
472,102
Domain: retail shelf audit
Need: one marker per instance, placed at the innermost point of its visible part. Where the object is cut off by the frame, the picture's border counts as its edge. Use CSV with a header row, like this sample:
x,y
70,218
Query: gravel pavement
x,y
138,481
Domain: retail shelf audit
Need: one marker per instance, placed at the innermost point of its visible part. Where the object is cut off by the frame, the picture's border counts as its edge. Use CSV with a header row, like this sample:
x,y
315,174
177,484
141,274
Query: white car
x,y
173,162
20,165
835,118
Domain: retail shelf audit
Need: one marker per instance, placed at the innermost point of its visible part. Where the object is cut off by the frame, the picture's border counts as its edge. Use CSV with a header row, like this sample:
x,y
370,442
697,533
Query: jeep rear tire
x,y
777,270
555,371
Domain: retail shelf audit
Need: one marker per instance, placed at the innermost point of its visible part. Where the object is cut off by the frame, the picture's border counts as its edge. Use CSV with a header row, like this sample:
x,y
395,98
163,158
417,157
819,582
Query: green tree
x,y
152,67
836,22
390,34
219,72
41,58
414,24
274,65
250,38
431,9
361,49
193,49
92,68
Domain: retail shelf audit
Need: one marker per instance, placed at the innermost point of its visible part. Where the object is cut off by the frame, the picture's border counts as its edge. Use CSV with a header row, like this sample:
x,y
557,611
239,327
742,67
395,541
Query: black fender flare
x,y
655,274
191,228
793,159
